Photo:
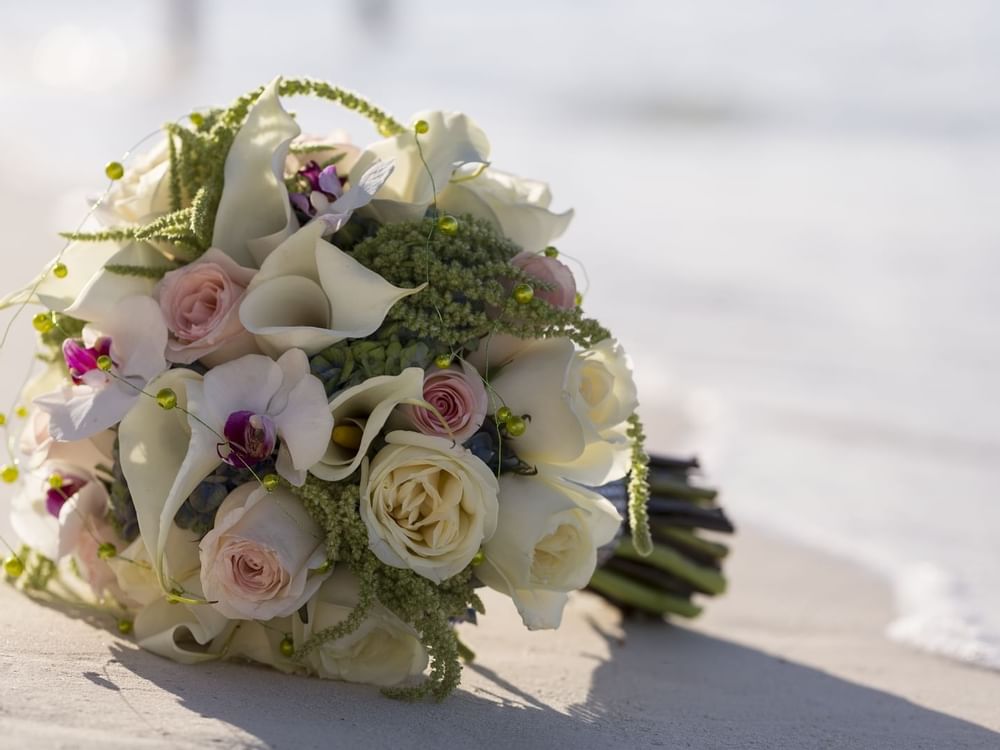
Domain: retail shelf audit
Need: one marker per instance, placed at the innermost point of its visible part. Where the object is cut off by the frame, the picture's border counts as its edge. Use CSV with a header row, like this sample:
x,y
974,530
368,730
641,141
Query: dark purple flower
x,y
251,438
55,498
82,359
322,180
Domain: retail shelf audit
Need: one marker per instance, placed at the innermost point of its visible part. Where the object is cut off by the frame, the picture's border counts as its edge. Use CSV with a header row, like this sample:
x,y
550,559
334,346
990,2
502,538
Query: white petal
x,y
165,454
535,384
138,338
245,384
601,462
359,297
163,627
105,289
360,194
80,411
451,141
304,422
254,214
540,610
289,312
371,402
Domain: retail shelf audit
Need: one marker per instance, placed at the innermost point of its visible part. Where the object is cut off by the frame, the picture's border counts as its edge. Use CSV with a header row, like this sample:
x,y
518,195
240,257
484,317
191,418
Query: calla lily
x,y
135,338
518,207
88,291
166,454
254,214
310,295
364,410
539,382
452,140
168,627
545,544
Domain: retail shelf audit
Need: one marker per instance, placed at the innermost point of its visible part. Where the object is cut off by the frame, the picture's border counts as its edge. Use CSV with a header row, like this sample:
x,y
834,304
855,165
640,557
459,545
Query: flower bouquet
x,y
301,399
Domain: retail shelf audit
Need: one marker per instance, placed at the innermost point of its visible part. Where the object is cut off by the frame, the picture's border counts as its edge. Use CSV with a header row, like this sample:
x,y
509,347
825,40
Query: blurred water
x,y
789,211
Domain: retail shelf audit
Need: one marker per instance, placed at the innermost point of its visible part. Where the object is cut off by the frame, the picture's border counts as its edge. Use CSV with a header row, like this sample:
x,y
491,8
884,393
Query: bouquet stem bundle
x,y
684,562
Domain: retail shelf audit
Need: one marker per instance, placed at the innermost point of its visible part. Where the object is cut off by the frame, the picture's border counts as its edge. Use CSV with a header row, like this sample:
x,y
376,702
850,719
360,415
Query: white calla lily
x,y
518,207
254,214
365,407
545,545
310,295
89,291
452,140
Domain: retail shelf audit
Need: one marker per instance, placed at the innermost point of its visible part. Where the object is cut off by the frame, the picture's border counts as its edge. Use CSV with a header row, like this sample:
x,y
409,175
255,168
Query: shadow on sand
x,y
662,687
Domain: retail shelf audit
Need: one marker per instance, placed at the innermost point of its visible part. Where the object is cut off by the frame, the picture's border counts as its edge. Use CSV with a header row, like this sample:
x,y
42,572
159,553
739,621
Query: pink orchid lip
x,y
56,497
83,359
250,438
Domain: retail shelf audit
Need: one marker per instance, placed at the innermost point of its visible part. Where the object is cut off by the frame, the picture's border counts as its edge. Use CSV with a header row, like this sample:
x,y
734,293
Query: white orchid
x,y
237,412
452,141
310,295
134,337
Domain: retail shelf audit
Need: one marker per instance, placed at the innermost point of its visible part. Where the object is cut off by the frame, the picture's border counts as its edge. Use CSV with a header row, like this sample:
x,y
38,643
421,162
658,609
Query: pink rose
x,y
259,560
200,304
549,271
459,396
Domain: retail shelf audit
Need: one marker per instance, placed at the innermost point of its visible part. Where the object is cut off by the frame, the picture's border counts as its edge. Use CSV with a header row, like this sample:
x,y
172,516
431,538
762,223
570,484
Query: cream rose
x,y
143,193
384,650
256,562
428,503
545,546
573,399
518,207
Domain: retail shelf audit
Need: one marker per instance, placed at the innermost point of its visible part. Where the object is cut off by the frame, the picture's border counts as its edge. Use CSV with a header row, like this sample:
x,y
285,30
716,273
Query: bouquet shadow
x,y
657,684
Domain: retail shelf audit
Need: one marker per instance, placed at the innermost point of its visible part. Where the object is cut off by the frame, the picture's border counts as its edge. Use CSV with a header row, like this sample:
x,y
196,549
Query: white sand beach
x,y
793,658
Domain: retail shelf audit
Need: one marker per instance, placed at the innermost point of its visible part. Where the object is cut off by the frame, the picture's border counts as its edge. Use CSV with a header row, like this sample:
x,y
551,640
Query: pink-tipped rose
x,y
549,271
200,304
459,396
256,561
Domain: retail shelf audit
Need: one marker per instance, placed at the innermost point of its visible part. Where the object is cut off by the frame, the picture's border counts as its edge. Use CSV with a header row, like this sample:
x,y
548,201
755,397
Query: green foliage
x,y
638,488
414,599
469,277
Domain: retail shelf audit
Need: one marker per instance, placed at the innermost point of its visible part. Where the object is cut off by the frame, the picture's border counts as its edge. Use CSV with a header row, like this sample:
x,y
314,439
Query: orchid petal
x,y
244,384
304,430
254,214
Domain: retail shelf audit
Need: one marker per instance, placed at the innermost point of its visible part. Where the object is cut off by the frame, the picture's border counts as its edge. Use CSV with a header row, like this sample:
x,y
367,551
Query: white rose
x,y
518,207
143,193
256,561
602,390
451,141
428,503
383,651
563,391
545,546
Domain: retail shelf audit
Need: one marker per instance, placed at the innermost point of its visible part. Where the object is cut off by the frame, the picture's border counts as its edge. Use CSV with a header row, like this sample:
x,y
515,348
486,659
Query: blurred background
x,y
789,210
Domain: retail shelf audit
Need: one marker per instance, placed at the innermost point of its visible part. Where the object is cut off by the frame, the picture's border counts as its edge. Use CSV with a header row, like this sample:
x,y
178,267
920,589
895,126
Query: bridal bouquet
x,y
301,399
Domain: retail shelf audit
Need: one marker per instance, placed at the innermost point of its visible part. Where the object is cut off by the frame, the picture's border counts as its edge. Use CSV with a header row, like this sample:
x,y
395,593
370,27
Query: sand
x,y
794,657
